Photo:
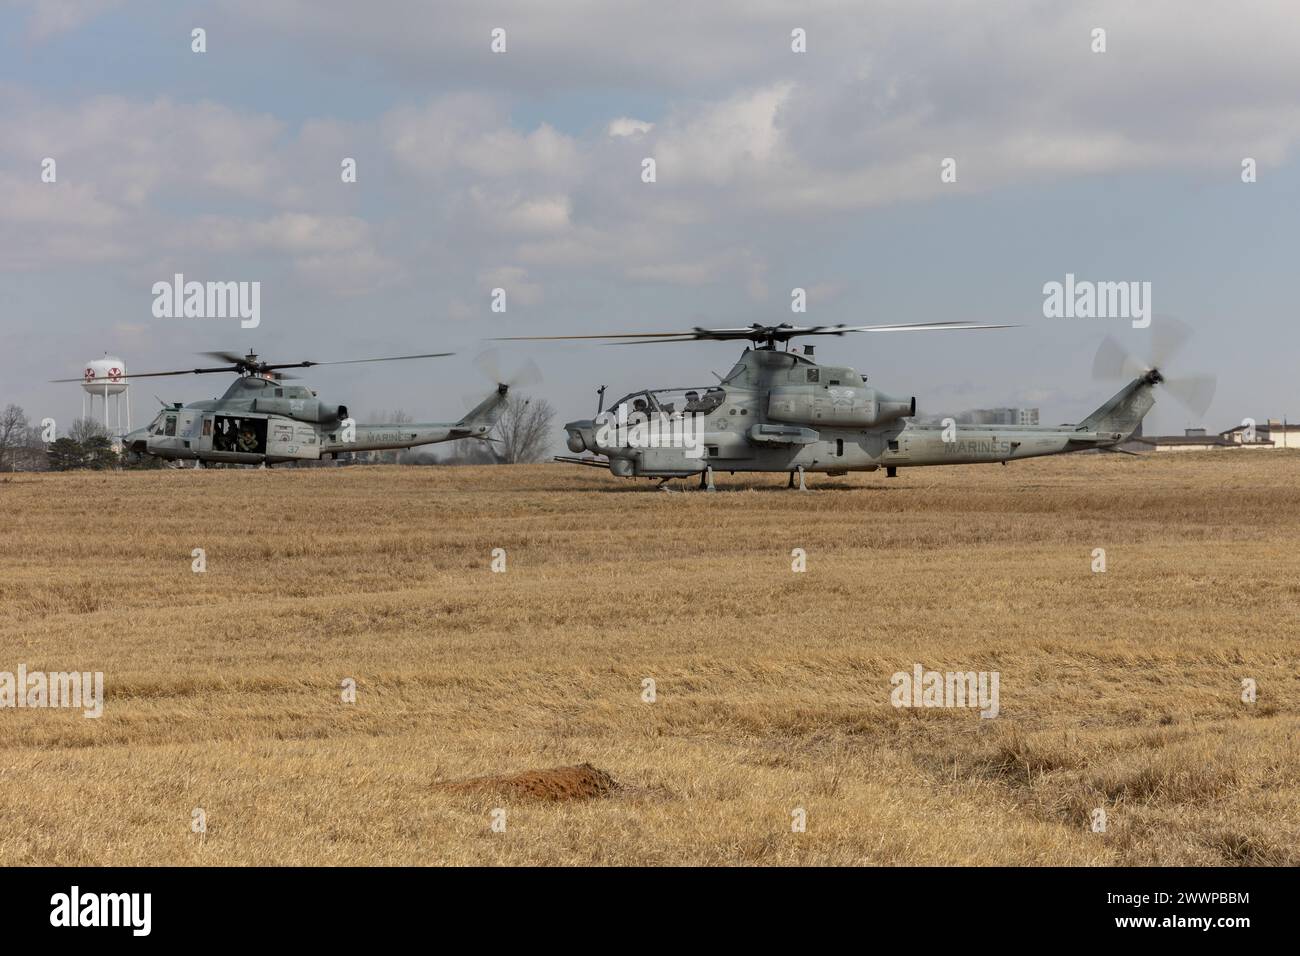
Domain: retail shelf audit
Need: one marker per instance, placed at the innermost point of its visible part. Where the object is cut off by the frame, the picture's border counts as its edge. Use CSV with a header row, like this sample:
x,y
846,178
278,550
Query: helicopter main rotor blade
x,y
184,371
387,358
242,364
232,357
613,335
694,335
756,333
780,334
251,363
914,327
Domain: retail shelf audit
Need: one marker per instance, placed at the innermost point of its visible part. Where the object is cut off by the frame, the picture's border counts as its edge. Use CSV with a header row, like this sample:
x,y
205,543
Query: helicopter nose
x,y
579,436
137,440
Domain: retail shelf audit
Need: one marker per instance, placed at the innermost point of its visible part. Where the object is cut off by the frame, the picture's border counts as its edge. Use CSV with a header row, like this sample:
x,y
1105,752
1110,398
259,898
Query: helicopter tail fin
x,y
484,415
1126,408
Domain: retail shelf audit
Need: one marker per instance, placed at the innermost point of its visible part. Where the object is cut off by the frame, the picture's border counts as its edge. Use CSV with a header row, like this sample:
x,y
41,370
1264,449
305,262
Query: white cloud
x,y
42,223
133,150
766,139
523,215
626,126
289,233
737,139
32,202
49,18
338,253
514,280
469,133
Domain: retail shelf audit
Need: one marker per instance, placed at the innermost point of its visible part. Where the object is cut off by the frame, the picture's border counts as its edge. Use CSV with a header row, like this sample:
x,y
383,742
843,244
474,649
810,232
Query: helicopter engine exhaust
x,y
309,410
849,406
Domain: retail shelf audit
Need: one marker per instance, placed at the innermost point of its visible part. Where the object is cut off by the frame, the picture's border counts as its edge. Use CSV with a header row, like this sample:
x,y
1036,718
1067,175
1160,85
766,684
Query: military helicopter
x,y
778,410
262,420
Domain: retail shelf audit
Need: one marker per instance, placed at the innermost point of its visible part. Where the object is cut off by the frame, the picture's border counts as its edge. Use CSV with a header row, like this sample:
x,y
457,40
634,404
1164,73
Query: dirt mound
x,y
582,782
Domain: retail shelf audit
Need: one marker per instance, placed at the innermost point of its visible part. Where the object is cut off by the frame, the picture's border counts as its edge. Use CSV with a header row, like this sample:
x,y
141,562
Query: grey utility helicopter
x,y
780,411
262,420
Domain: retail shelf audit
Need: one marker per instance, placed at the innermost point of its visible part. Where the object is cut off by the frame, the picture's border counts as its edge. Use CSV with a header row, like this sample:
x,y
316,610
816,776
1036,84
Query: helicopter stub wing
x,y
589,460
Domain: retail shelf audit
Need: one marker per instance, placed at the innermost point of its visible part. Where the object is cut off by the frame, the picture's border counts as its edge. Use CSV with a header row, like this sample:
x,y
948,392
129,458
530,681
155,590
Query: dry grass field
x,y
1119,690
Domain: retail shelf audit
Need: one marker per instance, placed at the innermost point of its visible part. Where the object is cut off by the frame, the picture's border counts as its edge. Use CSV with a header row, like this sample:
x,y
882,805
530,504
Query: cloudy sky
x,y
775,170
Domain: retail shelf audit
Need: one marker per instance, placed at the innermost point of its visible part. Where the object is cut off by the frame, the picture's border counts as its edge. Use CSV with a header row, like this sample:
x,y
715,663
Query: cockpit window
x,y
672,401
708,402
627,400
170,427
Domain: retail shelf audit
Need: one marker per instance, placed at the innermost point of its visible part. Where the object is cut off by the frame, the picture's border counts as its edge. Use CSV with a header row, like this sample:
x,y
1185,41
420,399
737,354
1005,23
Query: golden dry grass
x,y
1118,690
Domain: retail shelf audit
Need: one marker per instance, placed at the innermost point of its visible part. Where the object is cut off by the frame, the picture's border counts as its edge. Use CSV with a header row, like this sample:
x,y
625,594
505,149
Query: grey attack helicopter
x,y
780,411
263,420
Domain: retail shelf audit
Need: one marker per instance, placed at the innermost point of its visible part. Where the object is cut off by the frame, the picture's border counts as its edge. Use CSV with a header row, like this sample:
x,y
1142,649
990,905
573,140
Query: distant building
x,y
1272,434
1192,439
1189,442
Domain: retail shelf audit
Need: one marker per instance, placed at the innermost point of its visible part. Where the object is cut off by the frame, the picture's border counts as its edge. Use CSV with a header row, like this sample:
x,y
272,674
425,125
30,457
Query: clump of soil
x,y
582,782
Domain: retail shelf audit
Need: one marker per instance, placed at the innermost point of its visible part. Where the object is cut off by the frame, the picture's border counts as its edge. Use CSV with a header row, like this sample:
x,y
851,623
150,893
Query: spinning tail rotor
x,y
489,365
1168,336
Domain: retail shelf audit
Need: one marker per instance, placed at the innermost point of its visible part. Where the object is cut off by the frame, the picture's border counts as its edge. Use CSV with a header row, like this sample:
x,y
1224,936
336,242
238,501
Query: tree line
x,y
87,444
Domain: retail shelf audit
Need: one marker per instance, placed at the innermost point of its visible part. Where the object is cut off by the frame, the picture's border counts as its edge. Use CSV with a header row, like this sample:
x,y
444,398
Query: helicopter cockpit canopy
x,y
164,423
672,401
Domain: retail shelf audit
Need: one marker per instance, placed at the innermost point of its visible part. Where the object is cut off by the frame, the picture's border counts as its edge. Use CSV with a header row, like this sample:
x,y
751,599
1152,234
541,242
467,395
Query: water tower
x,y
104,377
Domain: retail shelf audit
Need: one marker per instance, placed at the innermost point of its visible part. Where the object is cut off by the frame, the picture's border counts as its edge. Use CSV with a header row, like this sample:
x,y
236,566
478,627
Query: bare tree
x,y
13,437
94,442
84,430
31,457
525,429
